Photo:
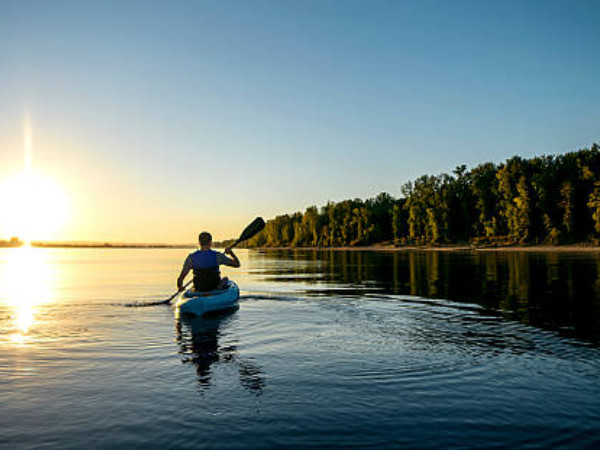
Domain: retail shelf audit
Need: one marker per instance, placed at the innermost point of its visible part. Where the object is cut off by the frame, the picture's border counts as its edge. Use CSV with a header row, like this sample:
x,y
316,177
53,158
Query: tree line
x,y
545,199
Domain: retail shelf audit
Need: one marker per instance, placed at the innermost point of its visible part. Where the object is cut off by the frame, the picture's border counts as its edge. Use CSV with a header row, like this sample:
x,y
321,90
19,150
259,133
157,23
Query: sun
x,y
34,207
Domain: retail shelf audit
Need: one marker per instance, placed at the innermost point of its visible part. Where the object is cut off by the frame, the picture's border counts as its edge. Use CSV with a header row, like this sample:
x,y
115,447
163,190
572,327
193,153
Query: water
x,y
328,349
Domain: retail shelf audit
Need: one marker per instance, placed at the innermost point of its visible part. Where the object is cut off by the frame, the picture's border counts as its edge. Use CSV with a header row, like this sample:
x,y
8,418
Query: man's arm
x,y
187,266
233,261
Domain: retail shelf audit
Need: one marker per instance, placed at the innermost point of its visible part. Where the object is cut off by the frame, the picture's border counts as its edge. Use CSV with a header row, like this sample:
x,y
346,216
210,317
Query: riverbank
x,y
575,248
106,245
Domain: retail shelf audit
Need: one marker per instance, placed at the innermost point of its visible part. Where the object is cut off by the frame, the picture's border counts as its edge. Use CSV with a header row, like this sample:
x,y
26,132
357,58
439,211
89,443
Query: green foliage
x,y
483,183
399,220
543,199
567,194
594,206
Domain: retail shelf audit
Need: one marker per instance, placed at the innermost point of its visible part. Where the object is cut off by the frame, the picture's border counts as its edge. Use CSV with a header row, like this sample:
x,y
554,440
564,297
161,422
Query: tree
x,y
594,206
484,189
399,220
567,194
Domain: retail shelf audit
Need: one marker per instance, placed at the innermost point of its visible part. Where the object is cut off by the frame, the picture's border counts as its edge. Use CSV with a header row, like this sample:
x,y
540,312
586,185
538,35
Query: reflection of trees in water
x,y
557,291
198,340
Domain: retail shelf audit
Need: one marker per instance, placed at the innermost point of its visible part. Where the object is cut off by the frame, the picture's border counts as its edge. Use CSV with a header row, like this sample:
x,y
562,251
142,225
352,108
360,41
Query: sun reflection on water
x,y
26,276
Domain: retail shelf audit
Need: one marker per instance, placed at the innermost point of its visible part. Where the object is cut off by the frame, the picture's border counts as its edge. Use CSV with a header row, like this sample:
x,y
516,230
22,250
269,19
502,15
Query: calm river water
x,y
328,349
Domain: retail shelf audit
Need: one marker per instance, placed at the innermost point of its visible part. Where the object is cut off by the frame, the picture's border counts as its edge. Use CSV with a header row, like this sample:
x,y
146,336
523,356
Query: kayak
x,y
199,303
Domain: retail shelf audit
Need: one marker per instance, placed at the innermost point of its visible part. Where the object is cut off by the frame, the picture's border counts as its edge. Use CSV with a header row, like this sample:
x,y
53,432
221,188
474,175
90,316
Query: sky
x,y
157,120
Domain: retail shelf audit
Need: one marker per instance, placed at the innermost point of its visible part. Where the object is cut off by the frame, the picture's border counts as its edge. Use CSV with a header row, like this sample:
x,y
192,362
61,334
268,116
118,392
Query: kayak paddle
x,y
176,293
250,231
160,302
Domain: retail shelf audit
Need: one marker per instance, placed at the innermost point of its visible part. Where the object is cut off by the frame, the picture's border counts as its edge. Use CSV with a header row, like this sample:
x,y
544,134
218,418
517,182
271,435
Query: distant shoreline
x,y
571,248
107,245
574,248
103,245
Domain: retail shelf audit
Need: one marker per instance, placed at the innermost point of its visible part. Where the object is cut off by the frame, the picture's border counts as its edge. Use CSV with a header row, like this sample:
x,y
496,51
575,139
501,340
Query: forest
x,y
543,200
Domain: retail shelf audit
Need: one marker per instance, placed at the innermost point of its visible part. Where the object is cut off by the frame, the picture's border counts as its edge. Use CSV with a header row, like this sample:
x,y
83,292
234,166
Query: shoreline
x,y
571,248
101,246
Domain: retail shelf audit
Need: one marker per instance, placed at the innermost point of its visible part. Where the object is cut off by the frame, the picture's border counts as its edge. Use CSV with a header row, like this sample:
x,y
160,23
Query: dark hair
x,y
205,238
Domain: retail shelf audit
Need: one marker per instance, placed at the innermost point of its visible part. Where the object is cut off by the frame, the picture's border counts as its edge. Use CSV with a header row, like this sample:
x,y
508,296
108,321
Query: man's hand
x,y
235,262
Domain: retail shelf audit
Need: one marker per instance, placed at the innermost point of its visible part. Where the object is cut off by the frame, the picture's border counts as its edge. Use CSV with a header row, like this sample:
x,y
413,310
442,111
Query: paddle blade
x,y
251,230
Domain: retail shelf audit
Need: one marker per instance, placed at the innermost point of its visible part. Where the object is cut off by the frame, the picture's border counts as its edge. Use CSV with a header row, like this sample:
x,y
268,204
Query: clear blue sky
x,y
163,118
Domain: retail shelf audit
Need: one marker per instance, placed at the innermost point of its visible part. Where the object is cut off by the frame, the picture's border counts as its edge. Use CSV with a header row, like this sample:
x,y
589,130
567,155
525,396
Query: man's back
x,y
204,264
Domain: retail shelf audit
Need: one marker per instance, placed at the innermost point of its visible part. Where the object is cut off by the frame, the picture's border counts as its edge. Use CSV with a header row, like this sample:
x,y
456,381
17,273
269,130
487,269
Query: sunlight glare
x,y
34,207
20,265
33,204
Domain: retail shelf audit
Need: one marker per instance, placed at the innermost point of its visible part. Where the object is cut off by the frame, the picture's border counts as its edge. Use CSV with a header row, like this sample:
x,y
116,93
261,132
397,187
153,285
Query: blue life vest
x,y
205,260
206,270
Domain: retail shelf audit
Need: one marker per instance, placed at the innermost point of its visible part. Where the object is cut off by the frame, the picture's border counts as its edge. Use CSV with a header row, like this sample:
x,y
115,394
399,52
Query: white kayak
x,y
199,303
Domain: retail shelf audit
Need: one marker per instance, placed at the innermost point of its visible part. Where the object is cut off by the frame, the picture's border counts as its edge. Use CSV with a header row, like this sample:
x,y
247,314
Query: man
x,y
205,265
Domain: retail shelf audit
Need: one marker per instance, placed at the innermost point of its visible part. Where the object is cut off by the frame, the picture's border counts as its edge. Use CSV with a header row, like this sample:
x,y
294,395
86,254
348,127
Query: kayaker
x,y
204,263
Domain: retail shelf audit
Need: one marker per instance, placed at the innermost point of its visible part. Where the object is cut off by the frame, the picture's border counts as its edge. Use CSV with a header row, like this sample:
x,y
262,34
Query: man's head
x,y
205,239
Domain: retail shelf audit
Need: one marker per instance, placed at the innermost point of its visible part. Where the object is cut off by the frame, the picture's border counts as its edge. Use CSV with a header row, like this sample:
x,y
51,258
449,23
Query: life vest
x,y
206,270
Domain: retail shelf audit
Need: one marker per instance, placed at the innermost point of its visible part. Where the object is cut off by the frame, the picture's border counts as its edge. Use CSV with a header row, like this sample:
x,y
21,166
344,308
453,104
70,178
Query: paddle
x,y
176,293
250,231
160,302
